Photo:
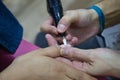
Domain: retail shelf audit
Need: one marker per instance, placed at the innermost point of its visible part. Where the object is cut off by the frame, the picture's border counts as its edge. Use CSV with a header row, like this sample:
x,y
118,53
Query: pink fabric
x,y
24,48
6,58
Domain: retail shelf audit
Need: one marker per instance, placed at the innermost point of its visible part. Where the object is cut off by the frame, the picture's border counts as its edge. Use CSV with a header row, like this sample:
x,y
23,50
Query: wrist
x,y
101,17
95,19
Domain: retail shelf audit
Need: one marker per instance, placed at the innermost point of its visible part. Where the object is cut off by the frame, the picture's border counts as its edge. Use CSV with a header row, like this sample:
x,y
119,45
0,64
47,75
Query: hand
x,y
97,62
40,65
80,25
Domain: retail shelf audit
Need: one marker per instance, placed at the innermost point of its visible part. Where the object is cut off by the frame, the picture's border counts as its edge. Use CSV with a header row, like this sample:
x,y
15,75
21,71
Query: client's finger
x,y
51,40
76,54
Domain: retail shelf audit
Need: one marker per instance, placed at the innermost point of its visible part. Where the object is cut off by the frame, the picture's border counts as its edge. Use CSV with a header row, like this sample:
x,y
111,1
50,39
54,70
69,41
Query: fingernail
x,y
65,46
61,28
65,49
69,45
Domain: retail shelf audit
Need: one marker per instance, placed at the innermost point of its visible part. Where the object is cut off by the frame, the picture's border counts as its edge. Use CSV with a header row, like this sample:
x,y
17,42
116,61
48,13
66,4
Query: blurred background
x,y
32,13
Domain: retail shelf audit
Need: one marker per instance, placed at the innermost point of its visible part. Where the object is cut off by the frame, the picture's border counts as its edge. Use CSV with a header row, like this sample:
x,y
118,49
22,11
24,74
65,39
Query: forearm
x,y
111,10
116,65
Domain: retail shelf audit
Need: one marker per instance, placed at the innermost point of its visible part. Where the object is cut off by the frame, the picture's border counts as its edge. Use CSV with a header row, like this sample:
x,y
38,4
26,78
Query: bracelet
x,y
101,17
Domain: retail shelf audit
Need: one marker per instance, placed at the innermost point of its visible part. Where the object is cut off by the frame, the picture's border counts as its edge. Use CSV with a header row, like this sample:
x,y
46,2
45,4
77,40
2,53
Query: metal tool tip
x,y
64,41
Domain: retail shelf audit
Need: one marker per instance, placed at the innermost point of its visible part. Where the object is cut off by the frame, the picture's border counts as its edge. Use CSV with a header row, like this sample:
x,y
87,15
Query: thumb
x,y
53,51
76,54
66,21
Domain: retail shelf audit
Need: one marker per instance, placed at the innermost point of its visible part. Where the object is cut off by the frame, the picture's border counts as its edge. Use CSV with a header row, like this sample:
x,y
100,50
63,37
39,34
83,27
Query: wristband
x,y
101,17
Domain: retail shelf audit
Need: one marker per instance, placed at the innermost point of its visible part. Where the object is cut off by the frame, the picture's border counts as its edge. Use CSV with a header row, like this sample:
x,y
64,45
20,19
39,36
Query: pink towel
x,y
24,48
6,58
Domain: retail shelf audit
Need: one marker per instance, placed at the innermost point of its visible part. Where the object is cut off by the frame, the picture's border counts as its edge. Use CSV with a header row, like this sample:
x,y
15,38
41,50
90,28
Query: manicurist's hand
x,y
41,65
79,25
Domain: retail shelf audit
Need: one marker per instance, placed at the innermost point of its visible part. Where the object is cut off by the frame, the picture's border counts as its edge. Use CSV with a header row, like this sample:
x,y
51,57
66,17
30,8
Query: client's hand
x,y
97,62
40,65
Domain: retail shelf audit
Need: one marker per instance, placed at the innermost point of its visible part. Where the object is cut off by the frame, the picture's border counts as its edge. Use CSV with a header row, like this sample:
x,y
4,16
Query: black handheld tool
x,y
55,9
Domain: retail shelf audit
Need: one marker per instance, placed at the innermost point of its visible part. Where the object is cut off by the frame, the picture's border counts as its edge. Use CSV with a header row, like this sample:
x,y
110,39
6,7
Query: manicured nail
x,y
65,49
61,28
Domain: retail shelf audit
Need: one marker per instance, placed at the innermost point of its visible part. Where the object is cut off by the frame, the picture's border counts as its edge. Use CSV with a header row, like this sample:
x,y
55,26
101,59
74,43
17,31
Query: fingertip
x,y
51,40
74,41
61,28
63,24
69,37
47,35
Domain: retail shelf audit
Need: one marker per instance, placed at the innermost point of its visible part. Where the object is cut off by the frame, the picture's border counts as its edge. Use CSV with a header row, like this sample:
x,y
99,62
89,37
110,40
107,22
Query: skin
x,y
97,62
86,24
41,65
82,24
111,12
79,24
